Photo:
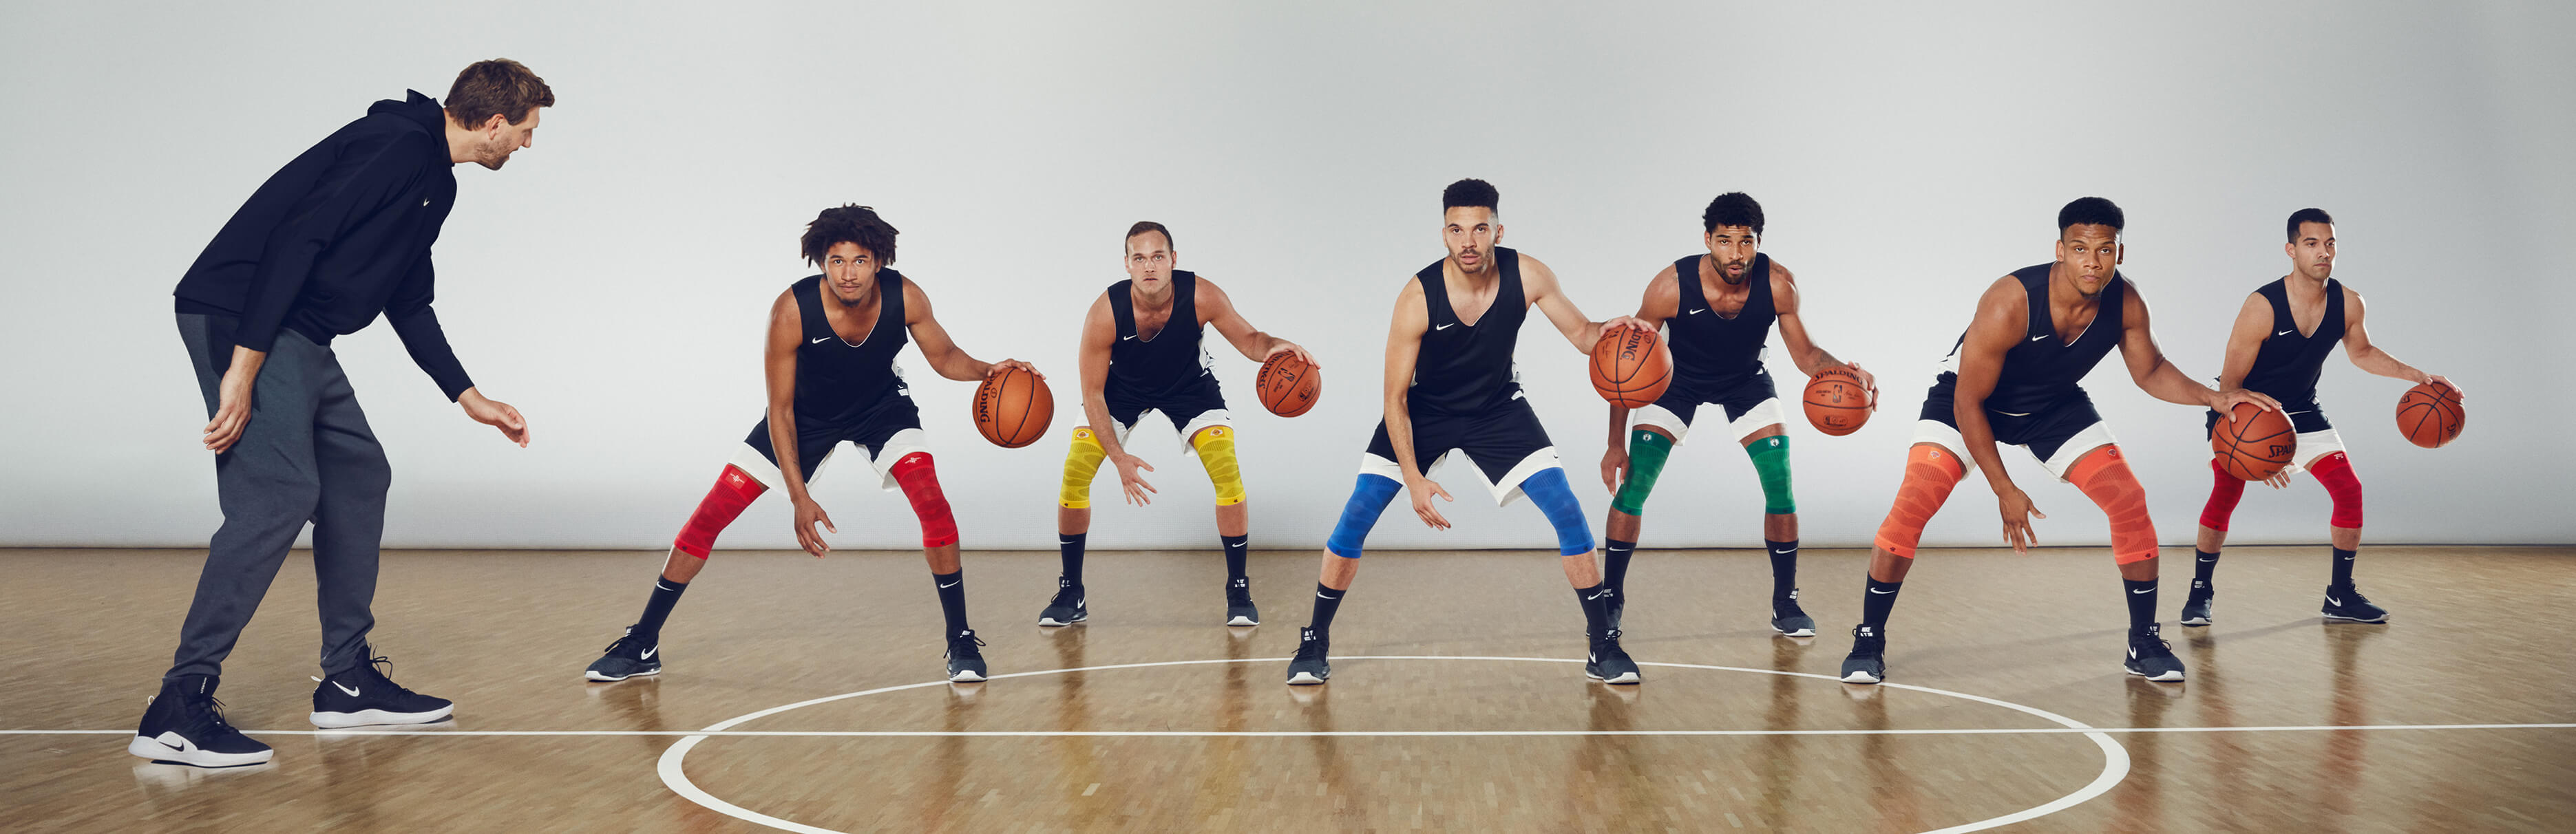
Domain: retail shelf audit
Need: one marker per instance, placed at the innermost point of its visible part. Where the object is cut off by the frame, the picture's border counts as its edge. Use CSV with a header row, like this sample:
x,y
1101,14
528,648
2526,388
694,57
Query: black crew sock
x,y
2343,567
1875,604
952,599
2142,604
2204,565
1071,545
1237,548
1596,608
1614,562
657,608
1784,568
1327,601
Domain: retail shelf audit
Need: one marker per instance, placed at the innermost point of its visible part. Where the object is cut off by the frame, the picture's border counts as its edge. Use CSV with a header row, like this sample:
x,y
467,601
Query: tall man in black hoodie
x,y
337,237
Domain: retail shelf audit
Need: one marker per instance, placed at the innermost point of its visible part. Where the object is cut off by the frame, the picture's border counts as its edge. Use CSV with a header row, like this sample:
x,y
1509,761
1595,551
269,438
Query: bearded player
x,y
2012,378
1142,351
2279,346
832,377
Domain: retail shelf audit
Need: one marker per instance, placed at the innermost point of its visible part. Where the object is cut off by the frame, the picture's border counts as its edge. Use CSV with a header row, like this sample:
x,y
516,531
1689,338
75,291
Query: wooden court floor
x,y
1453,704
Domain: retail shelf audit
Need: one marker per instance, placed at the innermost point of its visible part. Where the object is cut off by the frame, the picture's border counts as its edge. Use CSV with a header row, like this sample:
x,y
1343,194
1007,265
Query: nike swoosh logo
x,y
424,202
1125,338
1596,596
2039,337
2133,652
183,745
1620,549
2347,558
1790,550
1877,591
353,691
1063,541
1699,311
2333,601
1445,326
2285,333
1321,596
2143,591
2209,560
818,340
952,584
1591,658
648,653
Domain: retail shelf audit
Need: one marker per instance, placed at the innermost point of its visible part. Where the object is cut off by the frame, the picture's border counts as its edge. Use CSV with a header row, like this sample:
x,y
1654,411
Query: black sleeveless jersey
x,y
1711,352
1466,368
837,380
2041,370
1173,360
2287,366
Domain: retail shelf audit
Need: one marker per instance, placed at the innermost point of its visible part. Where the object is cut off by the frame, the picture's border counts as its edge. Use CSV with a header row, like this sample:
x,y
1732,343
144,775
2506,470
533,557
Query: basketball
x,y
2256,445
1013,408
1836,402
1288,385
2429,415
1630,367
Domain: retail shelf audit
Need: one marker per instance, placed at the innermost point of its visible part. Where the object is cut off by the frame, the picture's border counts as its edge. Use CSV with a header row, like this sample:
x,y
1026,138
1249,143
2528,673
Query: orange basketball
x,y
1836,402
1013,408
1288,385
2429,415
2255,445
1630,367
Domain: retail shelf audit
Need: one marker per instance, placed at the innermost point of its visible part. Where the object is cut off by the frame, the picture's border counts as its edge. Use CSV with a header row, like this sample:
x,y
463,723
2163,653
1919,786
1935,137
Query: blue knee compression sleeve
x,y
1368,501
1555,498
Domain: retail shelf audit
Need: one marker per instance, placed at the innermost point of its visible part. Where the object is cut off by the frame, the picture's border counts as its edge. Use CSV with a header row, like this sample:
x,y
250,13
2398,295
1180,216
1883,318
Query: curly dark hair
x,y
849,224
1733,208
1471,194
2307,215
2091,211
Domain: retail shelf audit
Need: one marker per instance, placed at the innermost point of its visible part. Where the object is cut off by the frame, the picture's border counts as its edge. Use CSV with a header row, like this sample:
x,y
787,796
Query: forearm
x,y
427,344
1257,345
782,445
1816,360
2378,362
1979,436
1095,412
245,362
1618,426
2168,383
1399,435
958,366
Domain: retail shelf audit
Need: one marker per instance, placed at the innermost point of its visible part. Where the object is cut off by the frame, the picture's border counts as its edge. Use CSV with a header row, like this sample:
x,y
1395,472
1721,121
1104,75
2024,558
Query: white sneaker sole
x,y
1862,677
2198,622
1242,621
1623,678
1304,679
1804,632
2343,619
159,752
966,676
366,717
2168,677
592,675
1051,622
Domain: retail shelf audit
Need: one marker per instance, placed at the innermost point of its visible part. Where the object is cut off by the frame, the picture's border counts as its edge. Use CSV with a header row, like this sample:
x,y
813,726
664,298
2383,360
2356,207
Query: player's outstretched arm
x,y
1216,309
1099,332
2369,357
1663,300
2002,315
2244,340
778,365
1403,351
1811,358
2159,377
946,359
1538,284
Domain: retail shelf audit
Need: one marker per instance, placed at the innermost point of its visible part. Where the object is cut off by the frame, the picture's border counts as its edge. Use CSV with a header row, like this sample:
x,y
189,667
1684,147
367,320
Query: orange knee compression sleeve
x,y
1930,473
2104,476
733,491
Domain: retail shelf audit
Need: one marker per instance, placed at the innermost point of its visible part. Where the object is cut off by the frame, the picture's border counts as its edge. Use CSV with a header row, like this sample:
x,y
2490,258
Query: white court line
x,y
1975,731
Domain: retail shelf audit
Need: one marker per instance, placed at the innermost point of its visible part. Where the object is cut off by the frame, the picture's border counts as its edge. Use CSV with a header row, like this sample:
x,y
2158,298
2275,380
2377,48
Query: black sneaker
x,y
2346,603
2152,658
363,695
634,655
1608,663
185,725
965,661
1239,610
2195,608
1308,667
1791,620
1066,608
1867,662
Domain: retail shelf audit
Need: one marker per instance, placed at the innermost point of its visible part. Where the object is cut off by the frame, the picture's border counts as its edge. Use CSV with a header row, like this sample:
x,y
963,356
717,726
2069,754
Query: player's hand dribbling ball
x,y
2255,445
1837,402
1013,408
1287,385
2429,415
1630,367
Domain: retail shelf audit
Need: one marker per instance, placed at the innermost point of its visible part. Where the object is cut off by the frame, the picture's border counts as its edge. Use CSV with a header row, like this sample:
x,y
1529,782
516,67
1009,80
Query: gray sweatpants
x,y
305,455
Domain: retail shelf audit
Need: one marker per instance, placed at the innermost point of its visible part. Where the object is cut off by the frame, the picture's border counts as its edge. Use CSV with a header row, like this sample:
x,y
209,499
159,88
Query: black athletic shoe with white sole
x,y
1067,606
2195,608
2347,604
1867,662
185,725
1608,663
2152,658
965,661
1239,610
363,695
1791,620
1308,667
634,655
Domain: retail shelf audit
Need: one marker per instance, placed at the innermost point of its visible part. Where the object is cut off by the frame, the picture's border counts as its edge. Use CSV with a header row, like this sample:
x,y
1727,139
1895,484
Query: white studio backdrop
x,y
612,282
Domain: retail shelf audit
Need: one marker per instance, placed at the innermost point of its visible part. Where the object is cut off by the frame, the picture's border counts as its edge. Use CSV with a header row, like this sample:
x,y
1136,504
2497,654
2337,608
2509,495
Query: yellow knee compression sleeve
x,y
1215,445
1079,465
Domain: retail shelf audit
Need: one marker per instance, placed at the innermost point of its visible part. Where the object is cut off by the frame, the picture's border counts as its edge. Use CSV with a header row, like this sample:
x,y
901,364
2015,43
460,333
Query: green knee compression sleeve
x,y
1771,464
1646,453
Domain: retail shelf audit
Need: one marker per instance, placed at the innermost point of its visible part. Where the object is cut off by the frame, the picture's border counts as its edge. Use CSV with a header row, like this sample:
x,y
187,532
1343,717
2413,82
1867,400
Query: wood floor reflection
x,y
506,634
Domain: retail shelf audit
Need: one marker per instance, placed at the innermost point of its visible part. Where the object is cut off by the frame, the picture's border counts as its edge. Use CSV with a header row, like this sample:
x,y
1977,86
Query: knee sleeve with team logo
x,y
2104,476
1931,471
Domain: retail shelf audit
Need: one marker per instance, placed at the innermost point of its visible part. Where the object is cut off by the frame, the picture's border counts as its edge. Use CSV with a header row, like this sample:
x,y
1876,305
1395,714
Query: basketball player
x,y
338,237
2279,347
1134,360
1716,323
832,377
2012,378
1450,386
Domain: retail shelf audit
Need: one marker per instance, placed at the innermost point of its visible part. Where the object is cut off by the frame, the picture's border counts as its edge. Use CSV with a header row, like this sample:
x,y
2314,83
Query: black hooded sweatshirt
x,y
338,236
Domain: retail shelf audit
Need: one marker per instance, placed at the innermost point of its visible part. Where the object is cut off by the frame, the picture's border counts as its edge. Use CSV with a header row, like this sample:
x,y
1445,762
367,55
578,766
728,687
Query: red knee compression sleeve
x,y
733,491
2104,476
1930,473
2223,495
2335,472
920,484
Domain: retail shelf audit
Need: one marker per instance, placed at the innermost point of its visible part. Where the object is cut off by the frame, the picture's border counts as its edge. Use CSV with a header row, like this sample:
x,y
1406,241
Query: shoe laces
x,y
626,642
1311,647
1238,591
2352,597
963,645
1607,643
1867,642
2150,645
1066,594
205,717
375,667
